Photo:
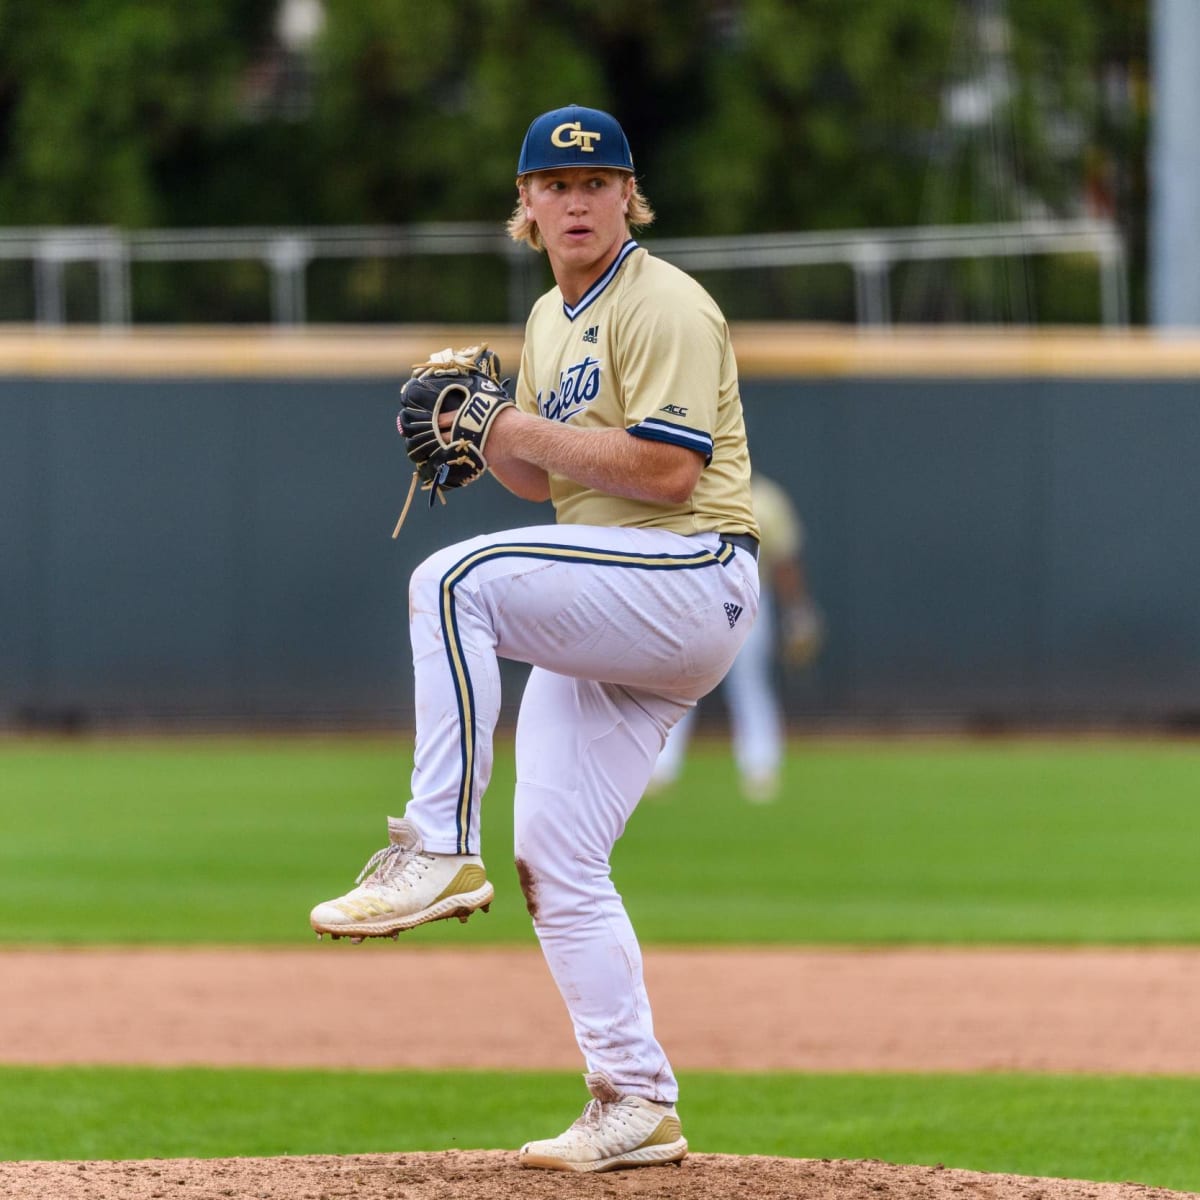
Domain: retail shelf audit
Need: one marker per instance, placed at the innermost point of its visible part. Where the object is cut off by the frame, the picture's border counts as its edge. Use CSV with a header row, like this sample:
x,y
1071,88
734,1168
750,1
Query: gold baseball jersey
x,y
781,532
645,349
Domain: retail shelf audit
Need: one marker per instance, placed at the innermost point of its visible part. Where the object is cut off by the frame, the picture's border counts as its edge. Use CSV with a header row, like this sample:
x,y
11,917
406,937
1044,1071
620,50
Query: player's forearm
x,y
521,478
609,460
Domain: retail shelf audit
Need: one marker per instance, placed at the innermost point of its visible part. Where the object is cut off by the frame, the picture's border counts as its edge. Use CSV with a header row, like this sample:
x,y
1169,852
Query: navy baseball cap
x,y
574,137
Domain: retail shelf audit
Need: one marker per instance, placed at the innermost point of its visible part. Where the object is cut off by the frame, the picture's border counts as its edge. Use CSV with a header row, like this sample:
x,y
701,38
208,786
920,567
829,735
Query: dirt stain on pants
x,y
528,887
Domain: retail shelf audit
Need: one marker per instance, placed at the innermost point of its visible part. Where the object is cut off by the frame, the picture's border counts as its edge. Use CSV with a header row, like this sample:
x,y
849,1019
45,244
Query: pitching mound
x,y
494,1175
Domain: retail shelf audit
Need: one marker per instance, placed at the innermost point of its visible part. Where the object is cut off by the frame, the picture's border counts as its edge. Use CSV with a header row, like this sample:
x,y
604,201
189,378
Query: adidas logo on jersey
x,y
733,611
591,334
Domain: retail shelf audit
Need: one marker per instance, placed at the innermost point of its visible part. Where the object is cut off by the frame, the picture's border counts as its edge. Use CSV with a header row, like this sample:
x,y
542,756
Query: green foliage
x,y
101,96
1076,1127
196,841
754,116
759,115
422,106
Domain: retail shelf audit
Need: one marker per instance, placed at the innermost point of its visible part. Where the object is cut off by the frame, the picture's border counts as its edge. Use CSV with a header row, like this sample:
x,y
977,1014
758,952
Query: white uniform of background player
x,y
788,626
629,608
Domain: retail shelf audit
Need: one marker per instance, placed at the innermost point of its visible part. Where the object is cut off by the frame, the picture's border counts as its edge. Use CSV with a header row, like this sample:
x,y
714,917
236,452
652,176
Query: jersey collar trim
x,y
593,293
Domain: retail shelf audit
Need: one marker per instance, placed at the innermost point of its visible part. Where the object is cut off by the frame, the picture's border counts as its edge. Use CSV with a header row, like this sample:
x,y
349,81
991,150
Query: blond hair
x,y
522,229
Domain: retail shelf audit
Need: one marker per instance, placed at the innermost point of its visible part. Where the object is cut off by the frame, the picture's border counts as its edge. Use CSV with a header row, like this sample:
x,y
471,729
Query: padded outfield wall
x,y
196,525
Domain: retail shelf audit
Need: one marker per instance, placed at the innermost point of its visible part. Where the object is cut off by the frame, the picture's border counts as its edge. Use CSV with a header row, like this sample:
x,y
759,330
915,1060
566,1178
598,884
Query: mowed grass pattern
x,y
233,841
1145,1130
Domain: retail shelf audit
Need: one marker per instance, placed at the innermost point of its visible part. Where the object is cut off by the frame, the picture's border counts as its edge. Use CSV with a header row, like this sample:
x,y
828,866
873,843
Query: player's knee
x,y
560,881
560,894
428,573
538,844
428,579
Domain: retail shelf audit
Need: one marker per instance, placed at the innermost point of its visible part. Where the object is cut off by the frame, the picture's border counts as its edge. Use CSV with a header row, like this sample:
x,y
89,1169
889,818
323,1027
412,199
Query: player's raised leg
x,y
622,604
641,608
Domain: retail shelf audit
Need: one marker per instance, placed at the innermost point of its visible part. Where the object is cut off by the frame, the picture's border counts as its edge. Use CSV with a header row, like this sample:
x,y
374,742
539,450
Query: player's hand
x,y
448,408
802,633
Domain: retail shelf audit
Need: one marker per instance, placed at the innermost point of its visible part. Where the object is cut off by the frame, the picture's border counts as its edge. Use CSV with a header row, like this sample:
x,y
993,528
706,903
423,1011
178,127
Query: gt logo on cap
x,y
576,136
572,136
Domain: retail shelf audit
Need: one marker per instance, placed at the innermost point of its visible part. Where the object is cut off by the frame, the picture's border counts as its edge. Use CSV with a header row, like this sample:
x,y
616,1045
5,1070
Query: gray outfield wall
x,y
1007,549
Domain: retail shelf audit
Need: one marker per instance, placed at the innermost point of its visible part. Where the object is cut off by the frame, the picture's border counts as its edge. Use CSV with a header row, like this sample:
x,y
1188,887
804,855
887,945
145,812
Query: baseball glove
x,y
467,384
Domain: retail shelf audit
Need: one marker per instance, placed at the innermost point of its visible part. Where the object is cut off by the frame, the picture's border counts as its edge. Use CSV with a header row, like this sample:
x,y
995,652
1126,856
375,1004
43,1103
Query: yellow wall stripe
x,y
766,350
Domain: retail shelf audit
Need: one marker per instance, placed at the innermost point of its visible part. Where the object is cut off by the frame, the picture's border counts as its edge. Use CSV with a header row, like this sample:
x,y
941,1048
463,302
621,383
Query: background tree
x,y
106,105
746,116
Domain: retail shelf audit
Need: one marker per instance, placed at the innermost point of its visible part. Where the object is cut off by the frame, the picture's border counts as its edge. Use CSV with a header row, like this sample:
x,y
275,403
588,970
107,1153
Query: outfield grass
x,y
1119,1129
945,842
232,841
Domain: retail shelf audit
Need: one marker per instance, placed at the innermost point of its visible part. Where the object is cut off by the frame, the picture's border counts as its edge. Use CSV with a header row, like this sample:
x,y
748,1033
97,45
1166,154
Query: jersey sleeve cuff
x,y
676,435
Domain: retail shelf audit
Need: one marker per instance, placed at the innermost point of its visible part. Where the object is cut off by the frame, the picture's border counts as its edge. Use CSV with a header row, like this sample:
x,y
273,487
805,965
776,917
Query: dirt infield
x,y
823,1010
494,1175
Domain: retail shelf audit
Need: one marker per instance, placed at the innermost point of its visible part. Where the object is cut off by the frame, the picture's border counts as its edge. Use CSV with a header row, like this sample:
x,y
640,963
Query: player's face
x,y
580,213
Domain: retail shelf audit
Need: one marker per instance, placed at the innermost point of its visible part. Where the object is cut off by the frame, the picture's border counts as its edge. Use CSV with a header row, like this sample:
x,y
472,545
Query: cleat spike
x,y
320,935
337,937
486,907
395,936
356,941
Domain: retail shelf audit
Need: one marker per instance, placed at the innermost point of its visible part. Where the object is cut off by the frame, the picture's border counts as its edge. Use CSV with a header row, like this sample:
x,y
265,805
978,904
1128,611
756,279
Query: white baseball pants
x,y
755,712
625,630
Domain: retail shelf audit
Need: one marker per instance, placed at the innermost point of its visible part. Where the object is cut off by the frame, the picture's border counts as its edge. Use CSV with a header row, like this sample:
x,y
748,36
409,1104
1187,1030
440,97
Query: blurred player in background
x,y
630,608
789,626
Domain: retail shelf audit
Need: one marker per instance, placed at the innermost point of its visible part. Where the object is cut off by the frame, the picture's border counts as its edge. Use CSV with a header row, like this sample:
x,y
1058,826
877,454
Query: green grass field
x,y
1107,1128
232,841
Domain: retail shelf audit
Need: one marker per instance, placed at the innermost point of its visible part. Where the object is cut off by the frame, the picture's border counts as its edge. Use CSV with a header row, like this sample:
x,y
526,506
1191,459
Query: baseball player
x,y
789,625
629,608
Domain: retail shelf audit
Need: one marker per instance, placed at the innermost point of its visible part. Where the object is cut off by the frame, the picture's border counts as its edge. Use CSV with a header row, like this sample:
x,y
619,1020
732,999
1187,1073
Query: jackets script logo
x,y
578,386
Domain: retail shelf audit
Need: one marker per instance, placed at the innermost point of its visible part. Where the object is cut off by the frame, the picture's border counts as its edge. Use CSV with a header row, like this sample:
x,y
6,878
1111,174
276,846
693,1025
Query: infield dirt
x,y
772,1009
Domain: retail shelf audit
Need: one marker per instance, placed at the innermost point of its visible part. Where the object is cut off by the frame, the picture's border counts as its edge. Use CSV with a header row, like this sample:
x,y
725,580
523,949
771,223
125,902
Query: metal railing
x,y
287,253
871,254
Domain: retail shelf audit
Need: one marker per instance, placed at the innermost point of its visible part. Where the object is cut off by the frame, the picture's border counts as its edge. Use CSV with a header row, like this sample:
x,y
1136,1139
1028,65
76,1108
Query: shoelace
x,y
384,864
594,1114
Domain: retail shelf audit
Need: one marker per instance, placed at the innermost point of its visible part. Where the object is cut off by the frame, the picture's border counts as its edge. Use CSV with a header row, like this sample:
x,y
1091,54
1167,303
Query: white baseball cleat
x,y
760,787
614,1131
402,886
